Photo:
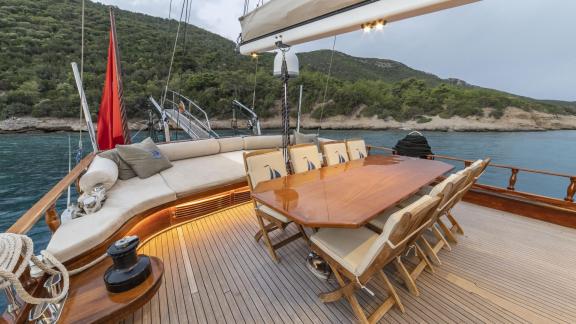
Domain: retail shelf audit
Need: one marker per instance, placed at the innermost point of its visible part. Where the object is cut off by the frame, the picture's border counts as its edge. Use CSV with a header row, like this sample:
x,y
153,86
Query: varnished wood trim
x,y
523,206
89,301
25,223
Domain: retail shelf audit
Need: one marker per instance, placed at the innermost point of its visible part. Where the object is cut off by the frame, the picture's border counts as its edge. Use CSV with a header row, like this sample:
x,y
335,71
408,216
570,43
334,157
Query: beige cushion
x,y
230,144
262,142
390,224
125,172
145,158
335,153
265,167
380,220
356,149
190,149
199,174
269,211
305,158
125,199
102,171
349,247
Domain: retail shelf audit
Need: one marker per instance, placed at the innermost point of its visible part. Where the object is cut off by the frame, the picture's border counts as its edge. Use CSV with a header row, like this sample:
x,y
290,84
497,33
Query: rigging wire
x,y
184,41
326,85
79,152
173,53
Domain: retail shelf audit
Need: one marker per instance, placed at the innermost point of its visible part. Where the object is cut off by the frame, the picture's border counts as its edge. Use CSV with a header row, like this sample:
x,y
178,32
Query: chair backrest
x,y
397,232
334,152
264,165
356,149
448,190
304,157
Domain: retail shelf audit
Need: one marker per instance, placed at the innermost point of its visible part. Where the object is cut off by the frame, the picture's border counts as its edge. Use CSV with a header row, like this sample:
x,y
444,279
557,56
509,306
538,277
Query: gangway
x,y
253,121
178,110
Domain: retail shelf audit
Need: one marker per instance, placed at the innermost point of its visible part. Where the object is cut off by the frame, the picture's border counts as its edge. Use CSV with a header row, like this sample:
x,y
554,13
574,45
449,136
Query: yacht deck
x,y
506,268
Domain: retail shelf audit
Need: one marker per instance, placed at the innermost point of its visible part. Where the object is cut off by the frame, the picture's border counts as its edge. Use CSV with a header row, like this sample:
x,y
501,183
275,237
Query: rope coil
x,y
16,253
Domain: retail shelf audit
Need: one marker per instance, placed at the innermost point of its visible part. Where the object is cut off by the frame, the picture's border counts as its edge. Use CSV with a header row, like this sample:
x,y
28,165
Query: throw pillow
x,y
145,158
125,172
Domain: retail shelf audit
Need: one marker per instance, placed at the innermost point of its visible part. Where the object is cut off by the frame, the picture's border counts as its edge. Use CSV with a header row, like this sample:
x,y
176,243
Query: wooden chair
x,y
304,157
474,172
261,166
334,152
356,149
421,260
357,256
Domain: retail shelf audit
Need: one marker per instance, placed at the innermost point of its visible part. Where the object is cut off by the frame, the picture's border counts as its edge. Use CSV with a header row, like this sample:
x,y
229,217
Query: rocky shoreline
x,y
514,119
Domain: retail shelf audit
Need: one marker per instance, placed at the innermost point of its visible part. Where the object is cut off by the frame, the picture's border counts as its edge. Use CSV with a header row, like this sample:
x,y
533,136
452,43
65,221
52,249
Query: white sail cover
x,y
298,21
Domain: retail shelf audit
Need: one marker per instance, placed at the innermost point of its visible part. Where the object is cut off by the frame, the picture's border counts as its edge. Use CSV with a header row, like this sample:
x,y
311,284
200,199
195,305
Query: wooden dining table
x,y
348,195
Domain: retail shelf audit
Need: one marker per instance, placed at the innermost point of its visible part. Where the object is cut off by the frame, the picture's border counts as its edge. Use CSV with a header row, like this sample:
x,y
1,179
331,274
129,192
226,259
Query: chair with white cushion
x,y
334,152
264,165
473,172
357,255
304,157
356,149
417,242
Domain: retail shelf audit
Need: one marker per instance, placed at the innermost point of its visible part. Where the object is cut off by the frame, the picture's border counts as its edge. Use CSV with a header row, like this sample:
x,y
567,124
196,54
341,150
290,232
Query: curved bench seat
x,y
199,174
198,166
126,199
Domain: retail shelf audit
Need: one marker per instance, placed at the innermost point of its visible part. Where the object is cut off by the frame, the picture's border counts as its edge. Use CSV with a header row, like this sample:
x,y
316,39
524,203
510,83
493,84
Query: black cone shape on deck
x,y
414,145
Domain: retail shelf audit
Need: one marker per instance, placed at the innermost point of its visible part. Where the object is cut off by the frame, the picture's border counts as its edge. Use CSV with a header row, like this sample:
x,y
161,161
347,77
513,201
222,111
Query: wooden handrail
x,y
570,192
25,223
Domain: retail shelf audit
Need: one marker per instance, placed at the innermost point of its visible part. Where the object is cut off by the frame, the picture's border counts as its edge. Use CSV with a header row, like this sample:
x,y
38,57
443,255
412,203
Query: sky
x,y
525,47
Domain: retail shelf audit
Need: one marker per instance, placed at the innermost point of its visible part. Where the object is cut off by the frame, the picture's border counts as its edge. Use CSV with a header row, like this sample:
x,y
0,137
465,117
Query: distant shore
x,y
514,119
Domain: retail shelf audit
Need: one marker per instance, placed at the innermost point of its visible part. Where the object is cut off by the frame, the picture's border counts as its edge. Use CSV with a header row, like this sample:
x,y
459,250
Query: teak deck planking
x,y
506,269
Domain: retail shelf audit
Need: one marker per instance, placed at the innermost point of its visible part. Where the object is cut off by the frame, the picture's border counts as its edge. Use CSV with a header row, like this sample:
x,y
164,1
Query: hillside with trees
x,y
39,39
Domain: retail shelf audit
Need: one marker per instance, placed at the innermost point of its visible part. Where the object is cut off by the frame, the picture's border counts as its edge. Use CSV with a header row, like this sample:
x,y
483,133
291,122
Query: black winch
x,y
129,269
414,145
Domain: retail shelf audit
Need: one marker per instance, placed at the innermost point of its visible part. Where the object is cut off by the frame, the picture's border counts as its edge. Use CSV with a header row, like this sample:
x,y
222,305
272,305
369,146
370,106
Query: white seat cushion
x,y
126,199
190,149
380,220
349,247
269,211
199,174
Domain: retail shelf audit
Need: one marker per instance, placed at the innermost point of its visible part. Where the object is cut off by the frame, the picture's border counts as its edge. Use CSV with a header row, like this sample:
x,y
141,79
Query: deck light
x,y
366,27
254,55
380,24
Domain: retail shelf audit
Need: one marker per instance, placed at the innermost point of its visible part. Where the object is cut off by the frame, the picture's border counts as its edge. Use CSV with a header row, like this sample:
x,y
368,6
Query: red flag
x,y
112,125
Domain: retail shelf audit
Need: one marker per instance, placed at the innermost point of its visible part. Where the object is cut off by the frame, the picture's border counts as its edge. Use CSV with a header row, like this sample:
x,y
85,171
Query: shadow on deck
x,y
506,268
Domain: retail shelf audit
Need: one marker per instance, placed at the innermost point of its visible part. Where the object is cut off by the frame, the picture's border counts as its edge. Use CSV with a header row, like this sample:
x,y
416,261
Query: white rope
x,y
15,255
326,85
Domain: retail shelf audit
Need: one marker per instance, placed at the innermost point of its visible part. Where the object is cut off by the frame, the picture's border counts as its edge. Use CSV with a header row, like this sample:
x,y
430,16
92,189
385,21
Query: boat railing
x,y
567,201
46,206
